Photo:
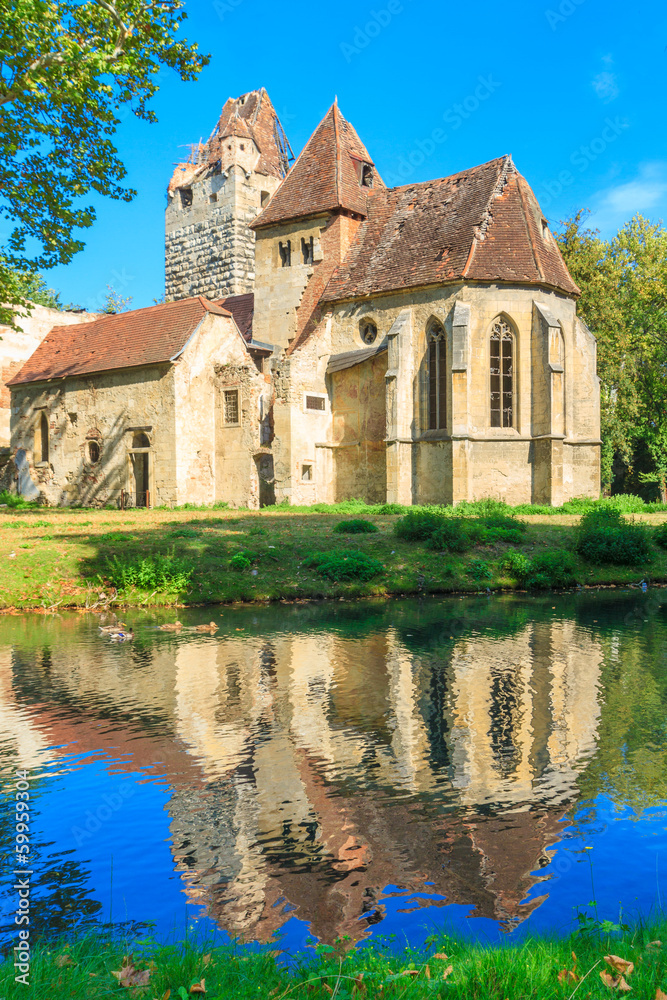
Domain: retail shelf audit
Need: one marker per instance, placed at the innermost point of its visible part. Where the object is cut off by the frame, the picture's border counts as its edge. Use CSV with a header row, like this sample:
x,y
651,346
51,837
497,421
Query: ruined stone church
x,y
324,337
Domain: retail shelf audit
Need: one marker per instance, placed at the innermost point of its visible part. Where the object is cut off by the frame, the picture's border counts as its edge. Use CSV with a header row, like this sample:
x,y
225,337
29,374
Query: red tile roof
x,y
242,308
125,340
324,177
483,224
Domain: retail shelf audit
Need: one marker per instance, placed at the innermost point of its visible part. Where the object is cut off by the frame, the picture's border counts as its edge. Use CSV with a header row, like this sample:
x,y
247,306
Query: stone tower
x,y
216,194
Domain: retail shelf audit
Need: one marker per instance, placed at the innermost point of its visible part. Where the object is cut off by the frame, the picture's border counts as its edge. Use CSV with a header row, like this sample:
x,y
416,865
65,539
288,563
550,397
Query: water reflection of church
x,y
313,769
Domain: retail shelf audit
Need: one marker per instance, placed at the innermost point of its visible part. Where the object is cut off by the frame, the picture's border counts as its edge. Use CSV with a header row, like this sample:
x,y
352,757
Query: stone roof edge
x,y
13,383
472,282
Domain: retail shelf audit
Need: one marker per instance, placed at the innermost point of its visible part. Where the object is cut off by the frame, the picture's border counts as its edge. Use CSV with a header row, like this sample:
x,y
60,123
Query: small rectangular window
x,y
186,197
308,250
231,406
264,197
307,473
285,253
317,403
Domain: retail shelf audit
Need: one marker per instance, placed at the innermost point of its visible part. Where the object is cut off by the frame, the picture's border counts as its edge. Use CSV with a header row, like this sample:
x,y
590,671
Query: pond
x,y
308,772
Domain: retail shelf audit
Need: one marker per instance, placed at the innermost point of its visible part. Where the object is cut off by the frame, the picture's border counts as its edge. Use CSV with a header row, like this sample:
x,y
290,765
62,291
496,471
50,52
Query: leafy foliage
x,y
660,535
342,564
606,537
544,571
357,526
624,302
160,572
70,72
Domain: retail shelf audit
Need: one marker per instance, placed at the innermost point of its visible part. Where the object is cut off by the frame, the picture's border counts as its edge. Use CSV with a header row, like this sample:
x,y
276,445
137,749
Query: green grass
x,y
57,558
540,968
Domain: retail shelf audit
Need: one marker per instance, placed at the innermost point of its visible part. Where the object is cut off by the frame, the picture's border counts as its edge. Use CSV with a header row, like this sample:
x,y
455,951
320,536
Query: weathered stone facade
x,y
213,198
100,427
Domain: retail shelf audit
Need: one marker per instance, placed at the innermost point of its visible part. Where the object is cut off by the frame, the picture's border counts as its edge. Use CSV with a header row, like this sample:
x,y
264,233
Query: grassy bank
x,y
589,964
83,558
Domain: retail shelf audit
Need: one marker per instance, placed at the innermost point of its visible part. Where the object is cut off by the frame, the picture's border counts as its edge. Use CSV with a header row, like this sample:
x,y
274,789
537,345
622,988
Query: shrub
x,y
501,528
344,564
453,534
240,562
158,572
391,508
357,526
544,571
15,501
418,525
184,533
483,508
606,537
660,535
479,570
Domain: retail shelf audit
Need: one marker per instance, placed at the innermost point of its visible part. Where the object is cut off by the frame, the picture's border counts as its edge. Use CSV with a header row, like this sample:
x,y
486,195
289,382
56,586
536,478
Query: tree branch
x,y
50,59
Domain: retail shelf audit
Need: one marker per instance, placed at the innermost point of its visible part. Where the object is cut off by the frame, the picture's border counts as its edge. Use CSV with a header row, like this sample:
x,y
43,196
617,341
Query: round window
x,y
94,452
369,331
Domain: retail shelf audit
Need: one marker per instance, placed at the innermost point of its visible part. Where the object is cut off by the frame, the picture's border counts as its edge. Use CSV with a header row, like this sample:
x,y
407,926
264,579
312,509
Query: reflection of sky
x,y
131,867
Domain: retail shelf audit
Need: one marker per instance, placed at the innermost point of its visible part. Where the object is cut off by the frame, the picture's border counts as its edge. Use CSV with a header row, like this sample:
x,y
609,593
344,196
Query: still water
x,y
484,765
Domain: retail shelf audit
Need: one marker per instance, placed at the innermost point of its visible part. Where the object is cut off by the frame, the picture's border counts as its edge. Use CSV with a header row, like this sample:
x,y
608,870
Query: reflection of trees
x,y
630,763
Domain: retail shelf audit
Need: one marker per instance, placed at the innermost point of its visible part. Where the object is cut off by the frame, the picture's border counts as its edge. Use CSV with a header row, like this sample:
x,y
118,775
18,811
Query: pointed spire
x,y
325,177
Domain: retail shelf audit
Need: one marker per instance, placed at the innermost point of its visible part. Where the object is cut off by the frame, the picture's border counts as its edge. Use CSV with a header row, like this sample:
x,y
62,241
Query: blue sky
x,y
575,90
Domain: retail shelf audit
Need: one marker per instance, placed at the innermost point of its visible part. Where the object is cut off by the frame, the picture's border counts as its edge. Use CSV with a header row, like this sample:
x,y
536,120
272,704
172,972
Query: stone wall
x,y
16,346
551,452
209,247
177,406
108,409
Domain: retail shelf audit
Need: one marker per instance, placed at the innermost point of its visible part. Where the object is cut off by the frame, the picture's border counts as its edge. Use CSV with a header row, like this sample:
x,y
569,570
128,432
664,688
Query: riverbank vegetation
x,y
599,960
57,558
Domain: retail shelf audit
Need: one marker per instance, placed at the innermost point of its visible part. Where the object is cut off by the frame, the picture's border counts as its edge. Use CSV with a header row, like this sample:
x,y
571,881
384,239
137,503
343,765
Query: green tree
x,y
624,302
68,73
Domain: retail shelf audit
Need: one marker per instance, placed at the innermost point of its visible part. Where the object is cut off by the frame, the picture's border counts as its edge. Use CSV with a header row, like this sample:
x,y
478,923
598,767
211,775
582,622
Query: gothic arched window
x,y
502,374
437,377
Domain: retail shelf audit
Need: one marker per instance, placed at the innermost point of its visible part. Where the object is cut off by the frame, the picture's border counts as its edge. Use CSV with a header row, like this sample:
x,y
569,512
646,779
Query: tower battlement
x,y
214,196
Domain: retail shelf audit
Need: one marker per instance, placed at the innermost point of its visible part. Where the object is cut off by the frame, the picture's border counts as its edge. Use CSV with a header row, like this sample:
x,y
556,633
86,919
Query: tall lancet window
x,y
437,377
502,374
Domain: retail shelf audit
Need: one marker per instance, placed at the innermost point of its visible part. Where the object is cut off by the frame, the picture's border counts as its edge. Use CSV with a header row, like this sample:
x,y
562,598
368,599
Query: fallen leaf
x,y
327,988
130,976
614,983
198,987
619,964
63,960
659,995
448,971
206,959
440,955
427,971
568,976
410,972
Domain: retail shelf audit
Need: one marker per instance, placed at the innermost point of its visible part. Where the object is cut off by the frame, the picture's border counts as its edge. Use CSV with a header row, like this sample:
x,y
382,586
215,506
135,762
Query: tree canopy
x,y
624,302
67,72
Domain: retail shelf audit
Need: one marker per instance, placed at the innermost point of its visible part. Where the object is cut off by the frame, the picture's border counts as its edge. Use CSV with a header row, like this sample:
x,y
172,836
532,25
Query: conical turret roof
x,y
325,177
